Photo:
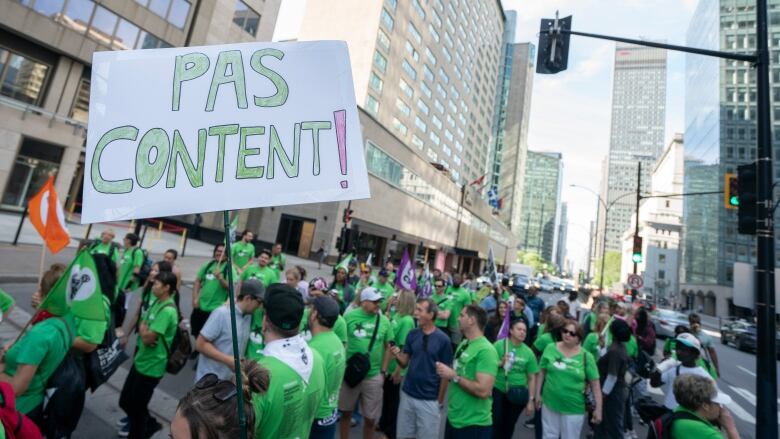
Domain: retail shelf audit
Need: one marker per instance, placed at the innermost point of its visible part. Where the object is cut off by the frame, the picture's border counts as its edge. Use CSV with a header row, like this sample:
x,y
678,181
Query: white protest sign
x,y
200,129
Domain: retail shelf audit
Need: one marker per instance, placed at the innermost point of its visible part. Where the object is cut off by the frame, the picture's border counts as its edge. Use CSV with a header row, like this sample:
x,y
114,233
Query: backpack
x,y
16,425
661,428
180,349
64,400
146,267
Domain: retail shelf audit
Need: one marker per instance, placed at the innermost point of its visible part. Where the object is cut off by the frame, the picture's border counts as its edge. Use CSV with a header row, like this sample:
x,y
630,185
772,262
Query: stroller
x,y
651,413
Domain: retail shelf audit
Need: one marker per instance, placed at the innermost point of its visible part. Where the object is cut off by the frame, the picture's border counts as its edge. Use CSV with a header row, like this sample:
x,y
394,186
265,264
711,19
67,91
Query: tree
x,y
611,269
535,261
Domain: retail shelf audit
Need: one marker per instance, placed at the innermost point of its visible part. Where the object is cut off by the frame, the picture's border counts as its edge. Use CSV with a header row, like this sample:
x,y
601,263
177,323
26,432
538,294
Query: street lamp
x,y
604,233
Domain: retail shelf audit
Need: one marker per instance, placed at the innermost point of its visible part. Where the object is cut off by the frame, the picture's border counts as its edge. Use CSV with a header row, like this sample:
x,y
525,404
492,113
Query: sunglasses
x,y
571,333
211,380
439,286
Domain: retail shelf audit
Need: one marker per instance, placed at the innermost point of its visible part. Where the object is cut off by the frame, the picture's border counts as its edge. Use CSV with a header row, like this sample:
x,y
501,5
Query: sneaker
x,y
353,423
124,431
122,422
529,424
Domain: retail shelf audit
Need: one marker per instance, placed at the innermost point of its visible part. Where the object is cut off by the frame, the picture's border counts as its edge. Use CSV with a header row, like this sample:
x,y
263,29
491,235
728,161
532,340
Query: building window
x,y
380,61
422,107
387,20
383,40
246,18
409,69
173,11
398,125
425,89
420,124
392,4
403,107
430,56
661,274
376,82
22,78
34,164
661,258
80,110
406,88
372,105
418,142
409,48
428,73
415,33
418,7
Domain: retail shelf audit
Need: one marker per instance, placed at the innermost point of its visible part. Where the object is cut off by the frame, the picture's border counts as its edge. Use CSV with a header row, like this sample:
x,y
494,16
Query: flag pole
x,y
234,331
43,258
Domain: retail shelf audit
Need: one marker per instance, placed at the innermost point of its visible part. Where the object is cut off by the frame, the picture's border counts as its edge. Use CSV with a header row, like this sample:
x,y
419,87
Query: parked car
x,y
546,285
739,333
665,320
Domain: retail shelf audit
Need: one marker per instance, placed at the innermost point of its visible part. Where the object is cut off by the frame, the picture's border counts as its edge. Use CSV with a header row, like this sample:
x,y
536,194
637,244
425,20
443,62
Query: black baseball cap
x,y
327,308
253,288
283,306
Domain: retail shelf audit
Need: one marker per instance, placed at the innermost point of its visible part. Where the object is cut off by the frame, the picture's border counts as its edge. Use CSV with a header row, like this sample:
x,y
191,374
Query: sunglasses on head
x,y
211,380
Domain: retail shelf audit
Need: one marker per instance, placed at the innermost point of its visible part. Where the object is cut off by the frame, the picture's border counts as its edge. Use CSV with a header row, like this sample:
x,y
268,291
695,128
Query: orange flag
x,y
47,217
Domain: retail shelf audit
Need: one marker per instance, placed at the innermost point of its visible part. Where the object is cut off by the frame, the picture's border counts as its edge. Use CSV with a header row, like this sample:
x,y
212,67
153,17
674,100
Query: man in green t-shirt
x,y
262,270
384,287
210,289
243,251
298,387
361,324
106,246
444,303
130,264
472,378
460,297
155,334
278,259
322,318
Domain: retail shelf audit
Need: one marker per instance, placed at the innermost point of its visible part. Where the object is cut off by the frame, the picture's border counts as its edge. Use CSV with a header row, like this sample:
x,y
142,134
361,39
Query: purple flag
x,y
427,288
504,331
405,278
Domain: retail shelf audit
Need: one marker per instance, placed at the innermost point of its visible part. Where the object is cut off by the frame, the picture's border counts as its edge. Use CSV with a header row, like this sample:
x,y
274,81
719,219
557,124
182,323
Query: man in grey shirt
x,y
215,340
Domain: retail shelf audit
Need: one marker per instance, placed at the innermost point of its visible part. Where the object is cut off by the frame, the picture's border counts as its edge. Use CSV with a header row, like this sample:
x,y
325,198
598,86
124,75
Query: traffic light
x,y
553,55
347,216
636,255
747,198
730,191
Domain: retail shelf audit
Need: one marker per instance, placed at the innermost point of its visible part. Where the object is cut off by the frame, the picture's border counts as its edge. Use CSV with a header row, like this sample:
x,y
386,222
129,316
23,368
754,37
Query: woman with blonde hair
x,y
403,322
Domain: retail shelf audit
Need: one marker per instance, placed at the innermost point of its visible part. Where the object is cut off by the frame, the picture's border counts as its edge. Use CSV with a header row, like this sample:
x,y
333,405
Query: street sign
x,y
635,281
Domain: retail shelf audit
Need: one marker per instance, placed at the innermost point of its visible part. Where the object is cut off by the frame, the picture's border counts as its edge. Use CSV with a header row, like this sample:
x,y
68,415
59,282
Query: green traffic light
x,y
636,257
734,200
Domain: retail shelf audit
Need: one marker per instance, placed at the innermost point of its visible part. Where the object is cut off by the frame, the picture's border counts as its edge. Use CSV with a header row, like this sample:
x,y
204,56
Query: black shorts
x,y
197,320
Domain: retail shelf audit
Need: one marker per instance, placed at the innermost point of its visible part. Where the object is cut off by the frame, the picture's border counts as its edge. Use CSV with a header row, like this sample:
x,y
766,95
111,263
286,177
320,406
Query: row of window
x,y
246,18
173,11
97,23
22,78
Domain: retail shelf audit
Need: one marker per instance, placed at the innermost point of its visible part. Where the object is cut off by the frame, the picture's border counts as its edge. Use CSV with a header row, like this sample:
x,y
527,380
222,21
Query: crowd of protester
x,y
318,356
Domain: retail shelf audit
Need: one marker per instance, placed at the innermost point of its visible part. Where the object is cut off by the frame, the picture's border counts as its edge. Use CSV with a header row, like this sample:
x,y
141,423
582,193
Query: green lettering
x,y
187,67
275,149
242,170
232,59
282,90
149,171
315,128
194,173
98,182
222,131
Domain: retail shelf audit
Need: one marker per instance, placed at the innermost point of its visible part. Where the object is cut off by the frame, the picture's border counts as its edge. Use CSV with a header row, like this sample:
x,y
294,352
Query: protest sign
x,y
199,129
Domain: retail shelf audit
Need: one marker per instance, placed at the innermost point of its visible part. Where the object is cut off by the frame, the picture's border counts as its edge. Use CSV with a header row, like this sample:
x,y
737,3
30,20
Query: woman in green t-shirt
x,y
567,371
155,334
701,408
594,341
515,380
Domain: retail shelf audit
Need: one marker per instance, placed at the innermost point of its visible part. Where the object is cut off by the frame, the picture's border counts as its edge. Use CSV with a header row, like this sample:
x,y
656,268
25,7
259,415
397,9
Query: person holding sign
x,y
210,289
155,335
261,271
243,251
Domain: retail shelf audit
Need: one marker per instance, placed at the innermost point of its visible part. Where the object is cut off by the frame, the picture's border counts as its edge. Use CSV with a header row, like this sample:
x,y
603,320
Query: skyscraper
x,y
637,134
541,204
720,134
560,249
506,172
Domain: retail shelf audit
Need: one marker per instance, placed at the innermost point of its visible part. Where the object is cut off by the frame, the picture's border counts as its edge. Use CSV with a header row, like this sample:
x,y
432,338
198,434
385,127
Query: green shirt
x,y
266,275
256,344
444,302
360,327
339,328
460,298
212,293
242,253
565,379
335,361
278,262
6,301
523,363
43,346
163,319
93,331
689,428
386,290
542,341
401,327
591,344
132,258
288,408
111,250
471,357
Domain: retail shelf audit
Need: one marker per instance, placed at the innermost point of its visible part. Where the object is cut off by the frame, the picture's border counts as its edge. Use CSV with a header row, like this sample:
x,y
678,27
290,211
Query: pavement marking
x,y
749,372
746,394
739,412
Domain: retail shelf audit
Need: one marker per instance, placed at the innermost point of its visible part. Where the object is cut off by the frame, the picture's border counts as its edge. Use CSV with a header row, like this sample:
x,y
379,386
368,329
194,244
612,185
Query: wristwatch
x,y
455,379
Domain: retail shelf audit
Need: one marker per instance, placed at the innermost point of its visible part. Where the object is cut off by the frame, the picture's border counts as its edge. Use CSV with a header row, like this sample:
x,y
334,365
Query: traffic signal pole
x,y
638,198
553,56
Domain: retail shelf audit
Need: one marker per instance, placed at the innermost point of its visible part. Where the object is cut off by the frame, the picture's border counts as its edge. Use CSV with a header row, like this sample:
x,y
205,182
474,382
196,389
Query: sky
x,y
570,111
